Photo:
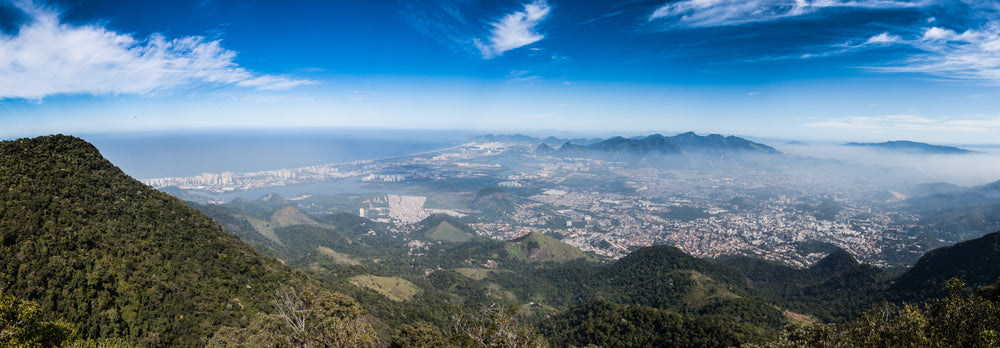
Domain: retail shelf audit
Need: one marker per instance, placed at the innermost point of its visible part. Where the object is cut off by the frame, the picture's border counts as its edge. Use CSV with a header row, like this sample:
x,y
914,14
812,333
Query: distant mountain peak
x,y
544,148
913,147
659,145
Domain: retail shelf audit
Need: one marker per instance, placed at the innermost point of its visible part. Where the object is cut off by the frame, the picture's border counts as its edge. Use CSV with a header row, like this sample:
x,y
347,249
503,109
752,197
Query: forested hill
x,y
975,261
100,250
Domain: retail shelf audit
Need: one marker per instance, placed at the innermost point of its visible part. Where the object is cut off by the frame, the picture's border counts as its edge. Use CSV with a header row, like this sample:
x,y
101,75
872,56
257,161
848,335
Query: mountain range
x,y
913,147
654,145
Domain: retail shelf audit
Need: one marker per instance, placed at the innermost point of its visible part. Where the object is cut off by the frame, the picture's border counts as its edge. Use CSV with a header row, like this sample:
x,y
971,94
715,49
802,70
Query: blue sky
x,y
836,70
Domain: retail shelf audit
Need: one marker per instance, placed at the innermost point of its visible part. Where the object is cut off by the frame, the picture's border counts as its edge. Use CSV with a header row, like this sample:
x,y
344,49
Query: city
x,y
611,207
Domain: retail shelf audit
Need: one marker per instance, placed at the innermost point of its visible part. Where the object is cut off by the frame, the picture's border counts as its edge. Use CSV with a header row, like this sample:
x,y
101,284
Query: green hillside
x,y
100,250
444,228
606,324
537,247
976,261
835,288
290,216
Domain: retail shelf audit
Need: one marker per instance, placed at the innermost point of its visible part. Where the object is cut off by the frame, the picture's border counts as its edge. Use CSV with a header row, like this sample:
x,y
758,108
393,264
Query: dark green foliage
x,y
836,288
303,319
20,325
232,220
606,324
493,204
491,326
96,248
815,246
418,335
747,311
957,320
991,292
977,261
651,263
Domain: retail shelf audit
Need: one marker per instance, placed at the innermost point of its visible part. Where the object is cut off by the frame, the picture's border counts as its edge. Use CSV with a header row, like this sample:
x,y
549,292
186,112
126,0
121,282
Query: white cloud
x,y
47,57
938,34
714,13
911,123
514,30
972,54
883,38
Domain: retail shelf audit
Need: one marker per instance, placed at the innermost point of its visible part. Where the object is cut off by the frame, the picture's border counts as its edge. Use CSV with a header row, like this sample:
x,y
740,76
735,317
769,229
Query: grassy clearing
x,y
290,216
478,273
264,228
393,288
337,257
797,317
707,290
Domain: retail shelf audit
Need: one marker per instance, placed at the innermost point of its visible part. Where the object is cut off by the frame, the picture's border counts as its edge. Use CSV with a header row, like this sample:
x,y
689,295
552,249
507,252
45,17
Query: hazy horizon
x,y
147,155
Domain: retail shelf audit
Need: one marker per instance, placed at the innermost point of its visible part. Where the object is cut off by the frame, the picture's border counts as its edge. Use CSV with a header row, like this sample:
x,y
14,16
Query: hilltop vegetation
x,y
441,227
976,262
537,247
108,254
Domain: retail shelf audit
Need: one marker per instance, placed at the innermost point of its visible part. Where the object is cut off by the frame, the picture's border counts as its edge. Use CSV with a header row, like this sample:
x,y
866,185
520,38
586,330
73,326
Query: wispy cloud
x,y
46,57
715,13
911,123
972,54
517,29
440,20
521,76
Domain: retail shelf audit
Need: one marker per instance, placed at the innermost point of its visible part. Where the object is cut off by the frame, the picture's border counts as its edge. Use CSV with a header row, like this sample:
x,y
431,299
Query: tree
x,y
418,335
20,325
491,326
303,319
959,320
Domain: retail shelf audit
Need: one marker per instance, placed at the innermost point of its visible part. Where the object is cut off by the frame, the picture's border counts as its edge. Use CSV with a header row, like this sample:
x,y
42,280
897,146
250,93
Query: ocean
x,y
177,154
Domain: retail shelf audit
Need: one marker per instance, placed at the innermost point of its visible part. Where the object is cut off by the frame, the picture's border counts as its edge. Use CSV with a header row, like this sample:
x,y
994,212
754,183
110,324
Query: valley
x,y
715,199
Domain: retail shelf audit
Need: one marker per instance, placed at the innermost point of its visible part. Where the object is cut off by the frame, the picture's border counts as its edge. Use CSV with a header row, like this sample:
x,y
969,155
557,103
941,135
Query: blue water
x,y
163,154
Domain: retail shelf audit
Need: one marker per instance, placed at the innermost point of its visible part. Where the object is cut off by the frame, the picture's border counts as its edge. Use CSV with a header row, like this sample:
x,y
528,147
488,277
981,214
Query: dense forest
x,y
92,258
